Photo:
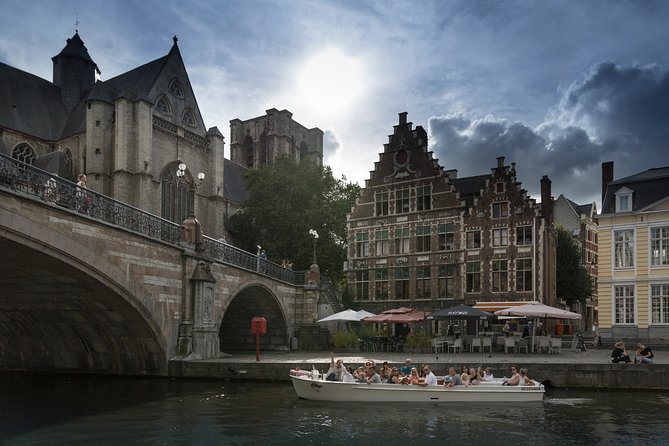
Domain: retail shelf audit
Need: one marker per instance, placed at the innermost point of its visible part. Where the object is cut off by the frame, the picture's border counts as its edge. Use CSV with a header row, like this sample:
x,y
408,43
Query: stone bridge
x,y
111,289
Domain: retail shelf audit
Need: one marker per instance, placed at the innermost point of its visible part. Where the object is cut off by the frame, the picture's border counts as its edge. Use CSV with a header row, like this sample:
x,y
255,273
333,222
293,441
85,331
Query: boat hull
x,y
320,390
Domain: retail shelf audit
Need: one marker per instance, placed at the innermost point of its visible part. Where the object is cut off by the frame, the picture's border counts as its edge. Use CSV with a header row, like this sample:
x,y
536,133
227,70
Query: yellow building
x,y
633,284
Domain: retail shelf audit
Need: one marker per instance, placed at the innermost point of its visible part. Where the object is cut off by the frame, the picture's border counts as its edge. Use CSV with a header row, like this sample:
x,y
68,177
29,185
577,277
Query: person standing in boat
x,y
336,369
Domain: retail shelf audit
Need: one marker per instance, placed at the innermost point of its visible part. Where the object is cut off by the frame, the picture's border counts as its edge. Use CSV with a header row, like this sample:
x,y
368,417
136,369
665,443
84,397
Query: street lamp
x,y
314,234
181,174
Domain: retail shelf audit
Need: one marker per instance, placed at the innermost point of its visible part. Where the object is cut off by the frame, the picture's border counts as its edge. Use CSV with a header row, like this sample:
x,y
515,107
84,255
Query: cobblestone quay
x,y
590,369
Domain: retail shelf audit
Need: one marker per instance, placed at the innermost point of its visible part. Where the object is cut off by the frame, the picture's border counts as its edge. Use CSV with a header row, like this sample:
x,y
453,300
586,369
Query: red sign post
x,y
258,328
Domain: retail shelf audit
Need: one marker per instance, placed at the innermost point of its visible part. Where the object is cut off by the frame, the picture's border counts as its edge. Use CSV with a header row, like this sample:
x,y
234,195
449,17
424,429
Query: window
x,y
500,276
402,201
446,237
361,284
175,88
423,239
177,195
624,304
659,246
473,239
381,199
248,151
188,118
473,277
623,200
623,241
382,243
500,210
524,275
659,304
402,241
500,237
163,106
524,235
499,187
362,244
424,198
402,283
24,153
446,281
381,284
423,276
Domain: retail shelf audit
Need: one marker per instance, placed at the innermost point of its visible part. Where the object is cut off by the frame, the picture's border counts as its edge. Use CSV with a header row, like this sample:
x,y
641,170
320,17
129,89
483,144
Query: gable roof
x,y
648,187
139,80
234,187
470,187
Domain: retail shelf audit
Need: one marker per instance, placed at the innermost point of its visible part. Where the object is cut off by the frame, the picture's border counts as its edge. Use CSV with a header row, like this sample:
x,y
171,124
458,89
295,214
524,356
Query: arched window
x,y
303,150
163,105
175,88
177,194
23,152
263,150
188,118
248,151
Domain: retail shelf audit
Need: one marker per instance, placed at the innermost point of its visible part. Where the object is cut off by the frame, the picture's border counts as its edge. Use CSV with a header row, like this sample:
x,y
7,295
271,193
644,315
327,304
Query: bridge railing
x,y
22,178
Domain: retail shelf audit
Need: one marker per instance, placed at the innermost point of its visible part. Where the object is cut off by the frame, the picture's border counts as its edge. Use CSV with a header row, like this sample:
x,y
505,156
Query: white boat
x,y
309,387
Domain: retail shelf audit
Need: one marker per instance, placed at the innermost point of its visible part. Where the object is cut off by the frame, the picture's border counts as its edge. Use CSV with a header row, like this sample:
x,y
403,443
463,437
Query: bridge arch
x,y
67,308
253,300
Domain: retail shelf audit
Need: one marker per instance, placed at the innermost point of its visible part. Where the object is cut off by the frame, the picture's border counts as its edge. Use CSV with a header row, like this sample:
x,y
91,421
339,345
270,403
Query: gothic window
x,y
263,149
303,150
163,105
188,118
247,151
175,88
24,153
177,195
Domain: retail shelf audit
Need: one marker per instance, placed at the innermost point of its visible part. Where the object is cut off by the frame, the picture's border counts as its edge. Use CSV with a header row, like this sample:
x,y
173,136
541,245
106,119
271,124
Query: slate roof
x,y
648,187
470,187
139,80
581,209
30,104
234,188
75,48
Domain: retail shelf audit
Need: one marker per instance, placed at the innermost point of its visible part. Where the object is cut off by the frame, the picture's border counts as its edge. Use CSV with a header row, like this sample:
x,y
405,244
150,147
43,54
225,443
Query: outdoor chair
x,y
457,345
437,344
545,344
523,344
487,342
509,343
476,343
556,343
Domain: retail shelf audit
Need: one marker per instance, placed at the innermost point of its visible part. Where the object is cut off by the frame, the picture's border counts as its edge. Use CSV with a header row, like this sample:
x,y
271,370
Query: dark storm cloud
x,y
616,113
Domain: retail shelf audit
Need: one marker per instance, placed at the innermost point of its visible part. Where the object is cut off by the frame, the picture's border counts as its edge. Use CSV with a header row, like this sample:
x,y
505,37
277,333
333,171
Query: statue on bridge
x,y
191,231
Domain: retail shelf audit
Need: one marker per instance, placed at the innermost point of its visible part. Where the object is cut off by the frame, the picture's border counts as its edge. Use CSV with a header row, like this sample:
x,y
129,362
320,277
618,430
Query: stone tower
x,y
73,71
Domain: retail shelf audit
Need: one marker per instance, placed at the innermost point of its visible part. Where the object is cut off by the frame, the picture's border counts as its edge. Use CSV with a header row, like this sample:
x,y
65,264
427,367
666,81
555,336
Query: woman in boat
x,y
414,378
395,377
465,379
525,380
515,377
488,375
473,377
480,374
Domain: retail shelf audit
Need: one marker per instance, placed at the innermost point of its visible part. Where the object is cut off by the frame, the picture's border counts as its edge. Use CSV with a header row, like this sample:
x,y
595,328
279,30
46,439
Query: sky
x,y
558,87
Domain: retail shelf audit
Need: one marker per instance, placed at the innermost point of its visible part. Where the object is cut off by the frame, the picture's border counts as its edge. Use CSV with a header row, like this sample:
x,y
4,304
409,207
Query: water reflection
x,y
83,411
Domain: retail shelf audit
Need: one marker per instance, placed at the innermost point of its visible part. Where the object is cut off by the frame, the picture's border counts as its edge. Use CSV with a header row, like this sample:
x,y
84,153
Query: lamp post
x,y
314,234
182,179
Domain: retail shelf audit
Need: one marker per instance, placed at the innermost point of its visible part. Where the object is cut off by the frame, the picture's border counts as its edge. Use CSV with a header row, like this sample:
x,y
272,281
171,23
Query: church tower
x,y
73,71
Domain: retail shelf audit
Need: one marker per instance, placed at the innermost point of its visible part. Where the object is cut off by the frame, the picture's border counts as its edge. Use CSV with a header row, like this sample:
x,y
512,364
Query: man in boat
x,y
405,370
453,379
429,379
336,369
372,376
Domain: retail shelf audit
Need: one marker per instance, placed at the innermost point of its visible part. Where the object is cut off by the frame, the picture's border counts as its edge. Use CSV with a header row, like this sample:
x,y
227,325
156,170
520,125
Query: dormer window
x,y
624,200
175,88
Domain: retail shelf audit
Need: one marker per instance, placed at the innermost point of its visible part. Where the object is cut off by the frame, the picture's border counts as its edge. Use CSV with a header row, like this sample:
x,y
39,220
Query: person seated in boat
x,y
480,374
453,379
465,379
395,377
644,355
515,377
525,380
619,354
413,376
360,375
405,370
488,375
473,377
429,378
335,371
385,372
372,377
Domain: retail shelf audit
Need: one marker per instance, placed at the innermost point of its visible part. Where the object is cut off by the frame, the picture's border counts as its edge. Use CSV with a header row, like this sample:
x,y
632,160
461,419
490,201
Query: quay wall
x,y
560,375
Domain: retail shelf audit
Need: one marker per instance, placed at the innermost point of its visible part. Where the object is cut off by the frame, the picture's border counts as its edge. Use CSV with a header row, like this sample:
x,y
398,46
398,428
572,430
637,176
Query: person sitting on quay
x,y
526,380
430,379
619,354
453,379
644,355
334,373
405,370
515,377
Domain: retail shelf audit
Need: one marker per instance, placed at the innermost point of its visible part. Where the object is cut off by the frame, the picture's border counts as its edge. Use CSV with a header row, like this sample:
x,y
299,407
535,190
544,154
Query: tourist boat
x,y
310,386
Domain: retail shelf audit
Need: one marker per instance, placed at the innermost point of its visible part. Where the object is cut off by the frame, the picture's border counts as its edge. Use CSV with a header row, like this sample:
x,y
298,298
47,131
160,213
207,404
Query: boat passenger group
x,y
409,374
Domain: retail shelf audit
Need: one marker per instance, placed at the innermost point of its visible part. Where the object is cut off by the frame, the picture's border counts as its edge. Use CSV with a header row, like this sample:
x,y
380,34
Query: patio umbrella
x,y
347,316
538,310
398,316
459,312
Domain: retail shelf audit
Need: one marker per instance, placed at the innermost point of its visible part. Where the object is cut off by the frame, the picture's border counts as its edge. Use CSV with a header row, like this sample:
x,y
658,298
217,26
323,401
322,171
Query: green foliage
x,y
345,339
418,342
574,284
284,202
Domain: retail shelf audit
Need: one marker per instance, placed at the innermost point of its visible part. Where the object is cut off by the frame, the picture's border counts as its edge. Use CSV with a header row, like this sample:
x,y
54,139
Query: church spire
x,y
73,70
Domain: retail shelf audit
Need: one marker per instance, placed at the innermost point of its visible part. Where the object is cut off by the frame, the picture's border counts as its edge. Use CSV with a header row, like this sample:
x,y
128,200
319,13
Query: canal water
x,y
78,410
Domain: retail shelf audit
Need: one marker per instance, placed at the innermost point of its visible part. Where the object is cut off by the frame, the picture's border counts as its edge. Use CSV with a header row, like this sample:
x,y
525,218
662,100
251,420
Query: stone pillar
x,y
205,334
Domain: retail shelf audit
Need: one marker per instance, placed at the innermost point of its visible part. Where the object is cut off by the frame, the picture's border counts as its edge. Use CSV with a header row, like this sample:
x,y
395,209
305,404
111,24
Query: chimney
x,y
500,162
607,177
403,118
546,199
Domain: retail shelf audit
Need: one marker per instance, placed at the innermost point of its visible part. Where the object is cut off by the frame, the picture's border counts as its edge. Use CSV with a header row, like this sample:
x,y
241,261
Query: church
x,y
140,137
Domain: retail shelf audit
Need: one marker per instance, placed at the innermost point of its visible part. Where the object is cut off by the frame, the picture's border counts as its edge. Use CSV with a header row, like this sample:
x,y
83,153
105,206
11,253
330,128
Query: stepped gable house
x,y
419,236
130,133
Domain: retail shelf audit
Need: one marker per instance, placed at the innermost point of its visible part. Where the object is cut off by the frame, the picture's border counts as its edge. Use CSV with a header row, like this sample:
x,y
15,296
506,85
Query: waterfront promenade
x,y
569,368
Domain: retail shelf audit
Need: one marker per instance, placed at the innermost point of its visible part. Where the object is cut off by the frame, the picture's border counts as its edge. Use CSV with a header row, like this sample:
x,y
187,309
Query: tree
x,y
574,284
287,200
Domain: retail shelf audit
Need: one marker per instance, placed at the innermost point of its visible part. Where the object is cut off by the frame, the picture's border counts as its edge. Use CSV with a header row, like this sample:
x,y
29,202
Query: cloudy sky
x,y
557,87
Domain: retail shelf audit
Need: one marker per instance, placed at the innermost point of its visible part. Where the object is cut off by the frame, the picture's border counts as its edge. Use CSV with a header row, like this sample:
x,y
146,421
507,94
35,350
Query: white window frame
x,y
624,250
624,200
625,300
662,298
659,245
500,237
